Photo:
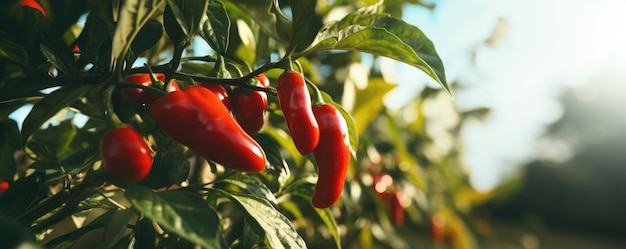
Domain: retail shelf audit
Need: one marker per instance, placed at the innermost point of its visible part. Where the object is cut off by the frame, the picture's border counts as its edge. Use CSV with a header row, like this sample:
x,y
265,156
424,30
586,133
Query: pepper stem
x,y
219,70
112,118
288,66
316,95
156,82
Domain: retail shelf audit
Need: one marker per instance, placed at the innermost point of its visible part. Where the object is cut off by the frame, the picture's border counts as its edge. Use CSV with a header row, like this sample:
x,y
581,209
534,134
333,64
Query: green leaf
x,y
27,87
188,14
169,166
48,107
184,213
277,165
304,189
58,53
22,194
96,40
252,186
264,12
216,28
13,50
329,220
266,221
145,235
379,34
419,42
69,239
147,37
305,24
352,132
369,103
57,139
133,15
363,17
301,187
116,227
285,142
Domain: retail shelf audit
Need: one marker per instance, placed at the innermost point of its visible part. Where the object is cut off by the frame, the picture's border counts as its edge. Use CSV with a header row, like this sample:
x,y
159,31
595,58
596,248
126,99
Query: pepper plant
x,y
234,160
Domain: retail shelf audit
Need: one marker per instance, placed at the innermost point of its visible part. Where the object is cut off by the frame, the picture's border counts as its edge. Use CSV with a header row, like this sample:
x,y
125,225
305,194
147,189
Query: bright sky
x,y
549,45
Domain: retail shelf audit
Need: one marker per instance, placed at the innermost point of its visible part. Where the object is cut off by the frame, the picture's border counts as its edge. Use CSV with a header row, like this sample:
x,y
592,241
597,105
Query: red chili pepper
x,y
4,185
33,4
249,106
140,96
220,92
332,155
125,154
438,227
396,209
295,102
196,118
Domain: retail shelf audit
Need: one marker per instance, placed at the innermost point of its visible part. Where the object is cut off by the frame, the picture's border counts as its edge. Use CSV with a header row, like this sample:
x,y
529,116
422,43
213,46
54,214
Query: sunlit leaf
x,y
69,239
381,35
420,43
266,221
133,15
116,227
56,138
184,213
49,106
216,28
252,186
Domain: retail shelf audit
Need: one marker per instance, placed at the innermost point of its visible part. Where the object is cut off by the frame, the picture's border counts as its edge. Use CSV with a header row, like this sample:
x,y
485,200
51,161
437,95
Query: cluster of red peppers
x,y
200,118
320,129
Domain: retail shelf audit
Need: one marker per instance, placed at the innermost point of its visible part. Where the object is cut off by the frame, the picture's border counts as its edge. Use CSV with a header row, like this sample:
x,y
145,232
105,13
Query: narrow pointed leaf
x,y
11,49
417,40
49,106
305,23
133,15
215,29
188,14
184,213
253,186
266,221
